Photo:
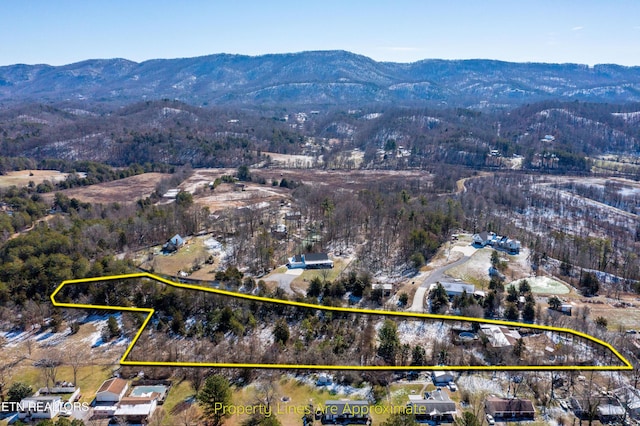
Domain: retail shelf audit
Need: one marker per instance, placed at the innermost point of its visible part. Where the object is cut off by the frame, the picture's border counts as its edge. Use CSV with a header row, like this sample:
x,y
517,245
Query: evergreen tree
x,y
511,312
529,312
439,299
554,302
18,391
389,342
418,356
215,393
281,332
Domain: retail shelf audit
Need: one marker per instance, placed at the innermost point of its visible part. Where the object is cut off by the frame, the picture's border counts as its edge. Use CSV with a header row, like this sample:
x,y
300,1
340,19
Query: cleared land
x,y
23,177
127,190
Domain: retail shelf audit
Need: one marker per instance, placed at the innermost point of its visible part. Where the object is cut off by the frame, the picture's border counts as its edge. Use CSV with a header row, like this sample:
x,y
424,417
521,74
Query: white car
x,y
453,387
490,419
65,413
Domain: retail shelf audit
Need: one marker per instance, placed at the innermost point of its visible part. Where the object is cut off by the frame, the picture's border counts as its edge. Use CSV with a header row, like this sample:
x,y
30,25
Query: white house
x,y
40,407
137,410
112,390
483,238
310,261
442,377
457,288
500,336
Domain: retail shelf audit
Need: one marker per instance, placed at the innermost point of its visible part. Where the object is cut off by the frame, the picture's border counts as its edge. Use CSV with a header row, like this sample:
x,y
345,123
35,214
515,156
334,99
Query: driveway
x,y
435,276
284,279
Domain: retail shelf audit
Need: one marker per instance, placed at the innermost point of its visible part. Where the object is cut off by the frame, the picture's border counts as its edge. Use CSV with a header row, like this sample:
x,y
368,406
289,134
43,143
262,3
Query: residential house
x,y
603,408
137,410
112,390
173,244
454,289
40,407
310,261
386,288
512,409
630,398
442,377
484,238
346,413
499,336
435,407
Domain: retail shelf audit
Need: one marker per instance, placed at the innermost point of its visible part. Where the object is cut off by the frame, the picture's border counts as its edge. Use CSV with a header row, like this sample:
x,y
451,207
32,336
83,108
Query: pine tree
x,y
214,397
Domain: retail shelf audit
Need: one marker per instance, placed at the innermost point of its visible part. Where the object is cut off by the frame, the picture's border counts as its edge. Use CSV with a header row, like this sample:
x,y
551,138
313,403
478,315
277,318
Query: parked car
x,y
490,419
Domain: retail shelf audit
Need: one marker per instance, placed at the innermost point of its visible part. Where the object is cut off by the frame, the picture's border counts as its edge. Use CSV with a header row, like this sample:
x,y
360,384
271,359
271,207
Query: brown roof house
x,y
112,390
509,408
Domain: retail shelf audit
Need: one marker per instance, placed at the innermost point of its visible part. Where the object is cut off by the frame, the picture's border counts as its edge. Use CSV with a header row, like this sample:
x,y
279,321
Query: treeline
x,y
82,173
176,133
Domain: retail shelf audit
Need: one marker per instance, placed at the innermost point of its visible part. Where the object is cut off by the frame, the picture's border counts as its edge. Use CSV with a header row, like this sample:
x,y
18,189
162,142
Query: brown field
x,y
127,190
229,196
226,196
23,177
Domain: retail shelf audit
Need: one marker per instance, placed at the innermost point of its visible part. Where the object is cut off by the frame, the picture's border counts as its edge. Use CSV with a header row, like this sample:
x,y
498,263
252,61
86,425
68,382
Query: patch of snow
x,y
372,116
475,383
628,116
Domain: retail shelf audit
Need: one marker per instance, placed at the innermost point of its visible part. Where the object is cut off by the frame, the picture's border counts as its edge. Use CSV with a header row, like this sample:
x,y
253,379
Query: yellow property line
x,y
150,311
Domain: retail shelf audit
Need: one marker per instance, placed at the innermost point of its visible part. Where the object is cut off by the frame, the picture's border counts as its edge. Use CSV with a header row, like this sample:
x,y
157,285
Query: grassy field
x,y
302,281
23,177
183,260
127,190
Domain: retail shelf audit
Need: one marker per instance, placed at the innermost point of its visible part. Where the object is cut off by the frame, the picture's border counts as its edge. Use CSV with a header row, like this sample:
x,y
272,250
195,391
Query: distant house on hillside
x,y
173,244
485,238
310,261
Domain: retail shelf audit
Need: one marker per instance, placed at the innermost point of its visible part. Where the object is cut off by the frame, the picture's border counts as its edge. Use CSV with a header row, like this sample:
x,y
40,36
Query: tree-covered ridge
x,y
551,136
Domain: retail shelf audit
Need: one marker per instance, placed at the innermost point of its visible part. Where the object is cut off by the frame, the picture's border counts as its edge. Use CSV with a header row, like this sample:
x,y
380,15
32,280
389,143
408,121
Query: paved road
x,y
435,276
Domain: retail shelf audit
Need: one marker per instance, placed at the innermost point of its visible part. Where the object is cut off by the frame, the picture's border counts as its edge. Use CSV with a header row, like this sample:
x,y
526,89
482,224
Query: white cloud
x,y
579,28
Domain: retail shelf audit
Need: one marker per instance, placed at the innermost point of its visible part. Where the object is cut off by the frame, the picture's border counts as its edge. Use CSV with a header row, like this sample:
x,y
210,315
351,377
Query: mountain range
x,y
318,78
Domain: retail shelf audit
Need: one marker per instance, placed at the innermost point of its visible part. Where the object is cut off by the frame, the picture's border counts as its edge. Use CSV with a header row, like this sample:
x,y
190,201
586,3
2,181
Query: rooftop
x,y
114,385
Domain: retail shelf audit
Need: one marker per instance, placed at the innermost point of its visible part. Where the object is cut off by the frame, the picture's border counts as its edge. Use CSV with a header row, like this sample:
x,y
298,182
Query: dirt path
x,y
24,231
460,183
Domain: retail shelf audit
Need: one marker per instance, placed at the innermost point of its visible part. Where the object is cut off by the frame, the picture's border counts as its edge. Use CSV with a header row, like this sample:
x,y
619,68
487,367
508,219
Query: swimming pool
x,y
145,390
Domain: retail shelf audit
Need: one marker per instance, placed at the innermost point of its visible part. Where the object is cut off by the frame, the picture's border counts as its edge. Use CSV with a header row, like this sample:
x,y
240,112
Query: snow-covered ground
x,y
543,285
336,389
475,383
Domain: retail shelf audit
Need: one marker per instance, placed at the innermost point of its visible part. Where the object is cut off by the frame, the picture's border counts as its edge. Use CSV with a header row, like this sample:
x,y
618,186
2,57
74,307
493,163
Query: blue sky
x,y
60,32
